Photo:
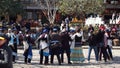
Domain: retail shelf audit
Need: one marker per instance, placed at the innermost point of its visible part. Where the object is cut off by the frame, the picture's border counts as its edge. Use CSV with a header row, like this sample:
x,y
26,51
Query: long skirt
x,y
77,55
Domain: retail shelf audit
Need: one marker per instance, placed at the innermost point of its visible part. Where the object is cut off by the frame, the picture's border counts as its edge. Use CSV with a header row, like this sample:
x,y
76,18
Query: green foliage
x,y
81,6
70,6
94,6
10,7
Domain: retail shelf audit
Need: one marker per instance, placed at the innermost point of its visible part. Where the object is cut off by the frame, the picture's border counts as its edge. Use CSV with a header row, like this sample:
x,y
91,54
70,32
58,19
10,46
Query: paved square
x,y
35,61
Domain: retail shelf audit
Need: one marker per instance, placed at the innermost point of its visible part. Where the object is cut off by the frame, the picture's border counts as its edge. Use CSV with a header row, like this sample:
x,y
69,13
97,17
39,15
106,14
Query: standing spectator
x,y
77,52
67,21
65,38
109,45
115,37
27,48
55,45
92,45
101,45
114,28
12,43
16,43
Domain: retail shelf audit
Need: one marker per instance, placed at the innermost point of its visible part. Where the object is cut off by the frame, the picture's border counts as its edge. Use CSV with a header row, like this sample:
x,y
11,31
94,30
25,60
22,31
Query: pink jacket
x,y
105,39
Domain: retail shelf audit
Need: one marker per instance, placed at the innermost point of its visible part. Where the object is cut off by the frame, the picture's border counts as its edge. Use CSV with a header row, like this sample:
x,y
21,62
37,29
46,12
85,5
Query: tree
x,y
81,6
49,8
94,6
10,7
70,6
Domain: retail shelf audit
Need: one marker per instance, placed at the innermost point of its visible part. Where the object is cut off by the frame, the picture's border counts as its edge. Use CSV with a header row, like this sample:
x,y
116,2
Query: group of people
x,y
50,42
55,42
101,41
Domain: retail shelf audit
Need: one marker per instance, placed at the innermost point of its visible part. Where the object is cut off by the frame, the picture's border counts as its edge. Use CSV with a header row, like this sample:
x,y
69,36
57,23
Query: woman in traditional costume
x,y
76,50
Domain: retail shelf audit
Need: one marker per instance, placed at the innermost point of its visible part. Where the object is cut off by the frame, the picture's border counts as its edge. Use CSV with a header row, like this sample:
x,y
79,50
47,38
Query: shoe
x,y
41,63
69,63
88,61
59,63
51,63
29,63
105,60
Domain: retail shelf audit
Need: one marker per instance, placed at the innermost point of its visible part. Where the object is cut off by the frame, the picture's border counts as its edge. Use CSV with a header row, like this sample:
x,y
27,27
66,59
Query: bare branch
x,y
49,8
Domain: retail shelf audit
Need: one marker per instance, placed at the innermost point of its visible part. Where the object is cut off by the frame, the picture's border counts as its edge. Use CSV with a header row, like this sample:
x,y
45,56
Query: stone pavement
x,y
35,61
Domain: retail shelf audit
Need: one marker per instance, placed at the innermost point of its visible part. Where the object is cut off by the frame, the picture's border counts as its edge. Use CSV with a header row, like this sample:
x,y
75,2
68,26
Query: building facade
x,y
34,11
111,6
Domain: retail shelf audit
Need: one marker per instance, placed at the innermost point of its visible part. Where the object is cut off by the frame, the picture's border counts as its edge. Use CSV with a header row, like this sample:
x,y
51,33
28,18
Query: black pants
x,y
14,58
14,49
109,52
67,51
58,58
27,60
55,51
102,50
41,58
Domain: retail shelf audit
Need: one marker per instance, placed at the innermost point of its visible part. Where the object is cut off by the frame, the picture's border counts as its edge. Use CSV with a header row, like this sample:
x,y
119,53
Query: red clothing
x,y
102,28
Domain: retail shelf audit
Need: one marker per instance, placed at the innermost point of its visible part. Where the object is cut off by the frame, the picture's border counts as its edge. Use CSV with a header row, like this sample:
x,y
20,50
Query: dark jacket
x,y
55,43
65,38
92,40
100,36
